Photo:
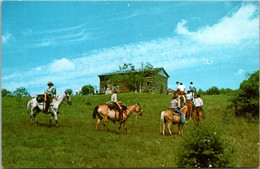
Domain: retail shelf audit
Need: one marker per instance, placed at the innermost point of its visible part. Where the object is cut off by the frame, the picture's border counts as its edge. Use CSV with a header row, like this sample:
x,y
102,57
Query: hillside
x,y
76,143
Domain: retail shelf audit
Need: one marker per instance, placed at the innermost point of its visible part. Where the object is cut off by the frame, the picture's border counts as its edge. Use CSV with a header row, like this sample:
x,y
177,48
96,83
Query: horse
x,y
172,118
197,115
173,92
189,104
37,107
105,113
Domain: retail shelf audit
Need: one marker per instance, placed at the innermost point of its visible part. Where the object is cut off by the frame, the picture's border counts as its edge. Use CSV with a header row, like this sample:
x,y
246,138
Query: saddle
x,y
175,113
40,98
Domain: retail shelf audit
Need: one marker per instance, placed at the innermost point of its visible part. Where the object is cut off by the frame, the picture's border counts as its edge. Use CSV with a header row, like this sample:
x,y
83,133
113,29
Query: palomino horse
x,y
168,116
37,107
189,104
105,113
197,115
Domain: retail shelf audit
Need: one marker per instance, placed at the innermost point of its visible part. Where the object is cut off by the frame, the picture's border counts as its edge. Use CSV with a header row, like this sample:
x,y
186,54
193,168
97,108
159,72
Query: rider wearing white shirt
x,y
198,102
189,96
182,87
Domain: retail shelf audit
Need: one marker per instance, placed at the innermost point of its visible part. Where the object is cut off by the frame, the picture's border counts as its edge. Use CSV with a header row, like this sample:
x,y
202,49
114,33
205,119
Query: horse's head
x,y
67,98
138,109
184,109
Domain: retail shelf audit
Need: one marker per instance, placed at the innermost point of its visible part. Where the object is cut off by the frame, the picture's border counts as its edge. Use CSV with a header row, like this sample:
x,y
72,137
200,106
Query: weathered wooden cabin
x,y
154,81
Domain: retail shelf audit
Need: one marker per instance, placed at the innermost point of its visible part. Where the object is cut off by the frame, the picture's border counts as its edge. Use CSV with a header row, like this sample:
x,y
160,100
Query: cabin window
x,y
148,85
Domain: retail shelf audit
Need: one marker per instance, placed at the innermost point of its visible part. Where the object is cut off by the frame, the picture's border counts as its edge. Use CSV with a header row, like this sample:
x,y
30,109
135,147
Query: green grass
x,y
76,143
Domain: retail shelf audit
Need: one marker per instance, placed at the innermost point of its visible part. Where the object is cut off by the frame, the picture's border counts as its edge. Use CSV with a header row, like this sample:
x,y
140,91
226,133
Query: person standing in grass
x,y
174,107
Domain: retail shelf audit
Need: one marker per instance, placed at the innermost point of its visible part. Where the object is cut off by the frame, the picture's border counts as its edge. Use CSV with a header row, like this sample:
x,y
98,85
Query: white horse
x,y
78,91
37,107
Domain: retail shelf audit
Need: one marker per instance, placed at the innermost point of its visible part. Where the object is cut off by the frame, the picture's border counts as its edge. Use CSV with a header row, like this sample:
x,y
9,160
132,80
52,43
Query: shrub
x,y
69,91
213,91
6,93
87,89
203,148
21,92
246,99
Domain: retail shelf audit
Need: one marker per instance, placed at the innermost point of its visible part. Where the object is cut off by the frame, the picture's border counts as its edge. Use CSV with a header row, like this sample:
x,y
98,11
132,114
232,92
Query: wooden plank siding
x,y
158,83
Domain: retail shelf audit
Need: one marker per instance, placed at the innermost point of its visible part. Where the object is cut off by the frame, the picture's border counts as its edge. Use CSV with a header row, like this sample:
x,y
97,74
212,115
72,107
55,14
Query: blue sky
x,y
69,43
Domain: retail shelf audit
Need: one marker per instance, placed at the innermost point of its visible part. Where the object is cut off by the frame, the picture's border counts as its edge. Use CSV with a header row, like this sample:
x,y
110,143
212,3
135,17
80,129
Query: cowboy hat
x,y
115,90
50,83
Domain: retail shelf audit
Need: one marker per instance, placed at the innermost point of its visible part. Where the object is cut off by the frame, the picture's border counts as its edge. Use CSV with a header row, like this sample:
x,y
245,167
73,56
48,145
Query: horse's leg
x,y
164,123
55,117
98,121
35,119
104,122
51,120
182,131
119,126
169,127
125,127
179,129
32,116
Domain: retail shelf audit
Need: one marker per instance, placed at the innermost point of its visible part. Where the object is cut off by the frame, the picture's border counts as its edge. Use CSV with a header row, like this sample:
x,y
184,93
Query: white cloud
x,y
242,25
6,37
61,65
240,72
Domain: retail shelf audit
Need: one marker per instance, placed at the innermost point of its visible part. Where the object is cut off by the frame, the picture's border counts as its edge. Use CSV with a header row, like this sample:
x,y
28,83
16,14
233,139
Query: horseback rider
x,y
182,89
174,108
192,89
189,96
49,93
198,102
181,93
178,84
118,104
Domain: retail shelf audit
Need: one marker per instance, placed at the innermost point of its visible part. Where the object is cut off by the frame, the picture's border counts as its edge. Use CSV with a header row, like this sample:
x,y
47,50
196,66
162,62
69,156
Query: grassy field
x,y
76,143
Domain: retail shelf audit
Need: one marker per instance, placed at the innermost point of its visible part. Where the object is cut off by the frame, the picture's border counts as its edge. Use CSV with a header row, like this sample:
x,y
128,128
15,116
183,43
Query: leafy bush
x,y
87,89
213,91
203,148
69,91
246,99
21,92
6,93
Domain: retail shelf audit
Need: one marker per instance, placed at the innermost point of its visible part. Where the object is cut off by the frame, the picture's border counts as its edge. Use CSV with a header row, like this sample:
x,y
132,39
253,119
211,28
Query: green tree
x,y
201,92
6,93
88,89
213,91
246,99
21,92
69,91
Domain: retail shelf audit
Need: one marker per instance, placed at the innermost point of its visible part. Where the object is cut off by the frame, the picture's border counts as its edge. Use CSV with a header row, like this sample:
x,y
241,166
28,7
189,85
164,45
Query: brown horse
x,y
189,104
168,116
105,113
173,92
197,115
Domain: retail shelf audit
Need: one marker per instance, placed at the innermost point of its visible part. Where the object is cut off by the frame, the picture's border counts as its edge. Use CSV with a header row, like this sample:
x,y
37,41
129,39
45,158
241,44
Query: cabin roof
x,y
154,69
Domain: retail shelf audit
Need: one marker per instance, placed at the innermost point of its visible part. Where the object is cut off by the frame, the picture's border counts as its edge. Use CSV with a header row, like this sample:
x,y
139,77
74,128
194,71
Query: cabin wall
x,y
155,83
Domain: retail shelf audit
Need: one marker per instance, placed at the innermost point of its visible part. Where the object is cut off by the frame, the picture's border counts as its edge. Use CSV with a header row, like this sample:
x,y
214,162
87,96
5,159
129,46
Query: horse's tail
x,y
28,106
95,112
161,120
